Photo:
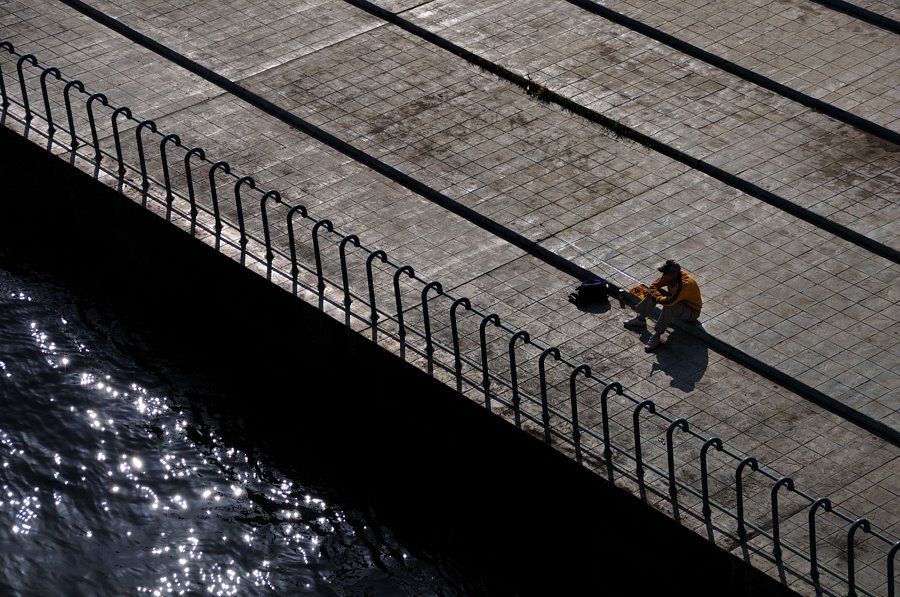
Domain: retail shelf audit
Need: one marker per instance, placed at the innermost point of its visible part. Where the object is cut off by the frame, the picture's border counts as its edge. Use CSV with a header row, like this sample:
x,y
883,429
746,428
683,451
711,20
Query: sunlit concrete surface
x,y
814,306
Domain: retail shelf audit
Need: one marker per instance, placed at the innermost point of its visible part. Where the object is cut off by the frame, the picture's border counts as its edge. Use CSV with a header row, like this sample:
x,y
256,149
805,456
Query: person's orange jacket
x,y
686,290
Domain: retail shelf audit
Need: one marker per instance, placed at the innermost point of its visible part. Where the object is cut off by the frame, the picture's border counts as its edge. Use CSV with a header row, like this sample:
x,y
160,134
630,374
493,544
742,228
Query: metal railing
x,y
705,485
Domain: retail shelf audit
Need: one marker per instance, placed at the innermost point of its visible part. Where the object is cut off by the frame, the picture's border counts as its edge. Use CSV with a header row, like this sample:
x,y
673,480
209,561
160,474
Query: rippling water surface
x,y
109,487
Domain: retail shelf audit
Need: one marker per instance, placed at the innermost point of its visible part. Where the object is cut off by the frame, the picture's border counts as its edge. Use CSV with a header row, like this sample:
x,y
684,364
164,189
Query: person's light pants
x,y
677,311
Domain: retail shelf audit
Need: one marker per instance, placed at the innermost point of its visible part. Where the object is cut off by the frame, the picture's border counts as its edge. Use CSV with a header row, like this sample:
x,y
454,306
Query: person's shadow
x,y
683,358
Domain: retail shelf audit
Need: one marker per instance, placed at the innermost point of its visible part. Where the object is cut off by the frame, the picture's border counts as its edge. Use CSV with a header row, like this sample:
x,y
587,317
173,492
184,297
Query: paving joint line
x,y
801,389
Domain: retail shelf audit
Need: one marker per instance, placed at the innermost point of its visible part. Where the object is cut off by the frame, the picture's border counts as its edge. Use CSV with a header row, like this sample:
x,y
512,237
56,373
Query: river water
x,y
113,485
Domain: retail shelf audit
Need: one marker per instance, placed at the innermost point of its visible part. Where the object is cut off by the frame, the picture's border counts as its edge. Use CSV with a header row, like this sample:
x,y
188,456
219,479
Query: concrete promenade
x,y
818,302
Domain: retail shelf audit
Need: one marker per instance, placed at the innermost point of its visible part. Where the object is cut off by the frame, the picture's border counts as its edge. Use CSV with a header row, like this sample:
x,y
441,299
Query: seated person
x,y
678,293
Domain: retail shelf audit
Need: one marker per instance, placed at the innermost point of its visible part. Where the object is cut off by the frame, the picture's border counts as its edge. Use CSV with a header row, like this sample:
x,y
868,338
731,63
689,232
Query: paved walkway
x,y
816,307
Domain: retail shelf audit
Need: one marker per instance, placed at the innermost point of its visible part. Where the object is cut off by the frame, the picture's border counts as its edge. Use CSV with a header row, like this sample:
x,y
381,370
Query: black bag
x,y
591,292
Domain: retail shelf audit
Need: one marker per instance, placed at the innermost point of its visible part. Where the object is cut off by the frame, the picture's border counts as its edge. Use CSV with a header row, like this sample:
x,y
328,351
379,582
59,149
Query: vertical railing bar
x,y
457,359
189,174
51,128
545,410
486,379
408,270
320,279
165,164
9,48
345,278
890,567
851,563
276,196
378,254
25,58
214,196
670,449
244,180
516,399
636,419
80,86
776,538
115,127
825,503
98,155
145,181
604,414
576,430
711,442
739,490
429,344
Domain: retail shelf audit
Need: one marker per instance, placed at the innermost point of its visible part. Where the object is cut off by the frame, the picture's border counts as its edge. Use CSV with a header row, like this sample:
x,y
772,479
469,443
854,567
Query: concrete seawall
x,y
434,467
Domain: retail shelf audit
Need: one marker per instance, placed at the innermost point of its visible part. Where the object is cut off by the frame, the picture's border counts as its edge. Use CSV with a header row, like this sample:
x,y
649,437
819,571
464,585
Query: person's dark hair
x,y
669,266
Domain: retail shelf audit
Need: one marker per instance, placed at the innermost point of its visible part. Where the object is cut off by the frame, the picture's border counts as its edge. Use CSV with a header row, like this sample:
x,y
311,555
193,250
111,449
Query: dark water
x,y
112,484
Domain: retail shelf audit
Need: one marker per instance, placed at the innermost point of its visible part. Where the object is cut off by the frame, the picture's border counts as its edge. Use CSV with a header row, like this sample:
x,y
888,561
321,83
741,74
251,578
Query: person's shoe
x,y
653,343
636,322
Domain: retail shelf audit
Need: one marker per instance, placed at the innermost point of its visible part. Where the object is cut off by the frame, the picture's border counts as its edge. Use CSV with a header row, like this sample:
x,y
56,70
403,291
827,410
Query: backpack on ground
x,y
591,292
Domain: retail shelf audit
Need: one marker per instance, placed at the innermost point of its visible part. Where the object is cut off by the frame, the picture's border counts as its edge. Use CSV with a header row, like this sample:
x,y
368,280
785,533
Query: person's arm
x,y
666,298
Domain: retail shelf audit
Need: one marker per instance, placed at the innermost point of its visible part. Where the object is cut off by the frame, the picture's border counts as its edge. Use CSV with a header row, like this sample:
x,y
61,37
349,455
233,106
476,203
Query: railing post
x,y
345,278
9,48
739,489
51,128
851,563
486,378
190,182
636,418
276,196
145,181
165,164
576,429
457,359
378,254
429,345
776,538
514,380
673,490
248,180
115,127
80,86
320,278
295,269
98,155
711,442
214,195
604,412
825,503
890,567
29,58
408,270
545,408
